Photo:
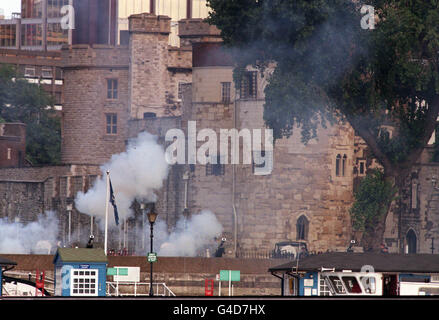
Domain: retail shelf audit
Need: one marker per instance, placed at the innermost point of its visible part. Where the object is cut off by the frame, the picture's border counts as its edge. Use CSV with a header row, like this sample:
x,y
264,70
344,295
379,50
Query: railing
x,y
137,289
25,276
257,254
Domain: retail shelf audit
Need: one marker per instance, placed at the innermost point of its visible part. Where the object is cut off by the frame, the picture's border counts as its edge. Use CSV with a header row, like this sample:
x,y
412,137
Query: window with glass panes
x,y
249,85
111,119
112,88
225,92
324,288
84,282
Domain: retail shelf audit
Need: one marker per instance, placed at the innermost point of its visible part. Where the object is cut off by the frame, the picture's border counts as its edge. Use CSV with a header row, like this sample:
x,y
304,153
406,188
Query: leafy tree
x,y
328,68
21,101
372,199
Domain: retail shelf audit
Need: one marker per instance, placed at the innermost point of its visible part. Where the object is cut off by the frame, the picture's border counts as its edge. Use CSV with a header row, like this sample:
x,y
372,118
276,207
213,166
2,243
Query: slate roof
x,y
416,263
7,262
80,255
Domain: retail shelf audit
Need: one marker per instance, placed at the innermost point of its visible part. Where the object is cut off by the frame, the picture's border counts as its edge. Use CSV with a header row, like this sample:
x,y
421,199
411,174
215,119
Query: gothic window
x,y
302,228
249,85
337,165
343,165
411,241
414,196
340,165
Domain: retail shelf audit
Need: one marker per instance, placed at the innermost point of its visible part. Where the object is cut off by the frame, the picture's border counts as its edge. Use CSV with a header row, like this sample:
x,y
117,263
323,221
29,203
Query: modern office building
x,y
175,9
39,25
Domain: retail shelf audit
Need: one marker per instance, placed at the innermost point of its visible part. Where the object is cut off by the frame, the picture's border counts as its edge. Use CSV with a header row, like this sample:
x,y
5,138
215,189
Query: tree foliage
x,y
21,101
372,198
327,65
329,68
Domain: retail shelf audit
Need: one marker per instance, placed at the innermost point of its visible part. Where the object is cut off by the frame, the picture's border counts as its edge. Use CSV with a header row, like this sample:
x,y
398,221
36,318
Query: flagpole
x,y
106,211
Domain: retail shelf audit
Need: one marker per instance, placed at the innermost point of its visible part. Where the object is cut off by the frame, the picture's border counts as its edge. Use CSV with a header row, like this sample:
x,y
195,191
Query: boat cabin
x,y
360,274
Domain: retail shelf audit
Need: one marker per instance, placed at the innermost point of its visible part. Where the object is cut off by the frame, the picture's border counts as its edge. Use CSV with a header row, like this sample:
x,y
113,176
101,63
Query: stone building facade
x,y
12,145
112,93
302,192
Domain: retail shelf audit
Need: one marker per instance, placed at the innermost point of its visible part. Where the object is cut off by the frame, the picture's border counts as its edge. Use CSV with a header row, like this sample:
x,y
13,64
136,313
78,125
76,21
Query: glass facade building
x,y
175,9
31,9
96,21
8,35
38,27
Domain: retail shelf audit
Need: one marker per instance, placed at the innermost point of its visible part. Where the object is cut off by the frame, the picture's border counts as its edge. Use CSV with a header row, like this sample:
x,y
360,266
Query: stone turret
x,y
148,77
87,136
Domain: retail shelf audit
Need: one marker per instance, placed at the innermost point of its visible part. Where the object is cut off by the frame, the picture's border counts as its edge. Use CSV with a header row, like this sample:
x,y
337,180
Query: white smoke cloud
x,y
135,174
38,237
190,238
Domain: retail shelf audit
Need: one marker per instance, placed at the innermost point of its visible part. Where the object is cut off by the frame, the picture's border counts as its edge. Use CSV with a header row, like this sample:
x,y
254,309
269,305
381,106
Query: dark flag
x,y
113,202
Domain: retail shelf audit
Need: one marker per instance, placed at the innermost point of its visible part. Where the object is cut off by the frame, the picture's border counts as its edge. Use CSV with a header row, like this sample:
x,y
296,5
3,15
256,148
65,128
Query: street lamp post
x,y
186,216
142,207
69,210
152,216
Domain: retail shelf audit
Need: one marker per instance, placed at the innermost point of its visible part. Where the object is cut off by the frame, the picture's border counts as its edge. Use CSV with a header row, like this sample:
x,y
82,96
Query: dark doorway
x,y
411,241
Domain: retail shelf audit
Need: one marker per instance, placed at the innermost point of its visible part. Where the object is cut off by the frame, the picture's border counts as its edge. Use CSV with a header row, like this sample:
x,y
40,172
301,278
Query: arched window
x,y
411,240
302,228
343,166
337,165
414,197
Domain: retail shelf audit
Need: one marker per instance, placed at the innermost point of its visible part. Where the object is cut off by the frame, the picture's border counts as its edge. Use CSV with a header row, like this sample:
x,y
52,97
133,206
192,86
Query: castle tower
x,y
95,112
148,74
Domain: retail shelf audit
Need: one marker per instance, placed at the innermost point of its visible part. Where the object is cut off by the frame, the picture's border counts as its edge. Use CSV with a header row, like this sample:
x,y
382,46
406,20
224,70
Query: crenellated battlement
x,y
192,31
149,23
196,28
86,56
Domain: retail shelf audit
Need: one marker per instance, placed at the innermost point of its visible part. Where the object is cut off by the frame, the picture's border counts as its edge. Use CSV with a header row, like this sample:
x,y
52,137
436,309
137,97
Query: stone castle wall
x,y
303,180
31,192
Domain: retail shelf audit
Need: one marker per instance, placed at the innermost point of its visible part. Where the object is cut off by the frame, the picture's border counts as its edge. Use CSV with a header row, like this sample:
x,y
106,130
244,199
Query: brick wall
x,y
12,144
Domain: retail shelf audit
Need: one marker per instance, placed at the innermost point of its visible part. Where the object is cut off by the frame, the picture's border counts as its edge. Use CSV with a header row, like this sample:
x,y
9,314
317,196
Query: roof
x,y
80,255
7,262
355,261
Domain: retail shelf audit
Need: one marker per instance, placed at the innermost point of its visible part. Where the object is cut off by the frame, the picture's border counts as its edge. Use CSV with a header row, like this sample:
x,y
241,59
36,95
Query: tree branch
x,y
372,143
430,126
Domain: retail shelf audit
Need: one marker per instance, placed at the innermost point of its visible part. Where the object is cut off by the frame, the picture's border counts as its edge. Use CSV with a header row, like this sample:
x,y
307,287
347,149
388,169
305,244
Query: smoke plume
x,y
135,174
38,237
190,238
